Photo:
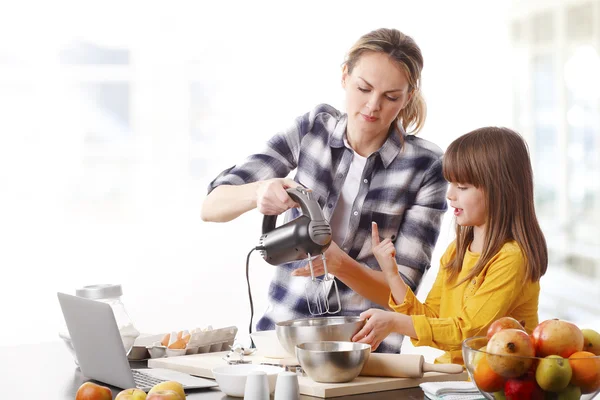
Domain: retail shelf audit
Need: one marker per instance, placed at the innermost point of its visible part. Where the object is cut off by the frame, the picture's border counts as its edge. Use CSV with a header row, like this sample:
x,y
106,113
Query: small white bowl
x,y
267,345
232,378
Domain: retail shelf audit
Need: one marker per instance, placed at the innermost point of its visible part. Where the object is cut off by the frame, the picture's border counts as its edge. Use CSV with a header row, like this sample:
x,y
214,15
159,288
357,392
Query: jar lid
x,y
102,291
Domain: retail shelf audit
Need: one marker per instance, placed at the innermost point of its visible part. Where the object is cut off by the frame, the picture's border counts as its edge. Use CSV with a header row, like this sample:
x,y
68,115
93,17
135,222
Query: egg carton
x,y
212,340
201,341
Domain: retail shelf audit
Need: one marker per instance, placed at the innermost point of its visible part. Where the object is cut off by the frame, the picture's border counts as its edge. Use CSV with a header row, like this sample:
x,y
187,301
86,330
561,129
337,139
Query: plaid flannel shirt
x,y
402,189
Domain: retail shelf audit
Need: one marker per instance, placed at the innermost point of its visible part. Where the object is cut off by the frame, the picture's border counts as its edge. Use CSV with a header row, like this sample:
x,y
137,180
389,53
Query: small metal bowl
x,y
332,362
296,331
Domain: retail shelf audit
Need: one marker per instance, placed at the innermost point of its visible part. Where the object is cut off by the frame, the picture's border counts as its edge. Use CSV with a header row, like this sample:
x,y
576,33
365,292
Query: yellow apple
x,y
131,394
168,385
591,341
164,395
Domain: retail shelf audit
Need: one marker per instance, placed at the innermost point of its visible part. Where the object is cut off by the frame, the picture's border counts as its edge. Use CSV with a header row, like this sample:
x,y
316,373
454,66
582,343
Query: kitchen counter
x,y
47,371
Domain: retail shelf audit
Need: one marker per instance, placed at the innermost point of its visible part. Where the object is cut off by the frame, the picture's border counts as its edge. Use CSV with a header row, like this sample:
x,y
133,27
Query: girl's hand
x,y
271,197
384,251
334,257
379,325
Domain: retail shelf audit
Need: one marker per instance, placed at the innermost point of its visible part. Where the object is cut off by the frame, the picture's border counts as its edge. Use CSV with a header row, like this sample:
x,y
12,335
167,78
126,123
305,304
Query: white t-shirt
x,y
341,215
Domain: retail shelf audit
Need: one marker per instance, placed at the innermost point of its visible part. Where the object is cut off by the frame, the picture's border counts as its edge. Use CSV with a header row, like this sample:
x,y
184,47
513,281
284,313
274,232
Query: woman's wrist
x,y
253,189
334,267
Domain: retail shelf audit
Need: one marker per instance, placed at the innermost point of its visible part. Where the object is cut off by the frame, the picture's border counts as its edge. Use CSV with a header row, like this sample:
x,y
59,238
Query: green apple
x,y
553,374
591,341
570,393
131,394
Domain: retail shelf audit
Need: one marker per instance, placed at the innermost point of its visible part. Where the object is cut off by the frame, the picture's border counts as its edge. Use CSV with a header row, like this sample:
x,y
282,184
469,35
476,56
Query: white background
x,y
66,222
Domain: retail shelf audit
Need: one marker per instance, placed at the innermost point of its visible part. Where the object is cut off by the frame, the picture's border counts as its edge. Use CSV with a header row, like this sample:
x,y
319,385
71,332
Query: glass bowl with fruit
x,y
557,361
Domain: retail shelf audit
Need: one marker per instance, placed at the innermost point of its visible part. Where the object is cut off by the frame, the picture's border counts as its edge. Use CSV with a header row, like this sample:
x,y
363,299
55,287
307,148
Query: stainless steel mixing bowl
x,y
332,362
320,329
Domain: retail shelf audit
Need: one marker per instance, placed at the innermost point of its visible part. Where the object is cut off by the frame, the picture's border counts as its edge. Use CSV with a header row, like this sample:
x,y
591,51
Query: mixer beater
x,y
317,290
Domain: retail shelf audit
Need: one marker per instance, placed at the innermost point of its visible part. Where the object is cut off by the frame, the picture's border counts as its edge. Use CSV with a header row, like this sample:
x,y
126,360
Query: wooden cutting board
x,y
202,365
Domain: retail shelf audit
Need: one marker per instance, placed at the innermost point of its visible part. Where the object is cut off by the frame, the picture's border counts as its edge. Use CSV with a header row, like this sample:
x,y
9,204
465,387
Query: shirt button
x,y
474,281
366,181
340,175
329,205
355,213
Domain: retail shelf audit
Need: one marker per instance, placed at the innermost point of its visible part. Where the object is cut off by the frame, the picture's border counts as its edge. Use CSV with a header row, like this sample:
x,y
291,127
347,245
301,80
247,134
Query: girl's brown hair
x,y
402,49
496,160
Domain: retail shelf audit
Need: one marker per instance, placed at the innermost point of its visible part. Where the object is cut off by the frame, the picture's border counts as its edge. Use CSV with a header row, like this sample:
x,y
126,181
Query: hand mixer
x,y
305,237
302,238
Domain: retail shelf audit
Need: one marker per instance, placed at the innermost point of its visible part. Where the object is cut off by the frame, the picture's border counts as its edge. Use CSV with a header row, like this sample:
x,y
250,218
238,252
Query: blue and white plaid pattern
x,y
402,189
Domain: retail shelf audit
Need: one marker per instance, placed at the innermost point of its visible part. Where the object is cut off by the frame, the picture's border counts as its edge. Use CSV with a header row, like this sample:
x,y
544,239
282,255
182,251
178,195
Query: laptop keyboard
x,y
144,380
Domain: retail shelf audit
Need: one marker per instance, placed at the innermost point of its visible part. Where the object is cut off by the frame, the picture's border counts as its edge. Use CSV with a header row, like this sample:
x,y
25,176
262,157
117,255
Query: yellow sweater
x,y
451,314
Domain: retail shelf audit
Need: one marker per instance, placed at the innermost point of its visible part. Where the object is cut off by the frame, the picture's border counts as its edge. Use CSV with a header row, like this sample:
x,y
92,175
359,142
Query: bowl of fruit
x,y
557,361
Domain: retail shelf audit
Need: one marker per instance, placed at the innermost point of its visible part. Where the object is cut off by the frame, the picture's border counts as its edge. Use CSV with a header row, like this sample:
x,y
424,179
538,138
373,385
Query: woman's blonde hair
x,y
496,160
402,49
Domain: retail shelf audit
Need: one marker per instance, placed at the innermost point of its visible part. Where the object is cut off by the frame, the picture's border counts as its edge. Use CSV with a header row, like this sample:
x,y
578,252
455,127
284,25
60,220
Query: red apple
x,y
92,391
522,389
164,395
556,337
503,323
131,394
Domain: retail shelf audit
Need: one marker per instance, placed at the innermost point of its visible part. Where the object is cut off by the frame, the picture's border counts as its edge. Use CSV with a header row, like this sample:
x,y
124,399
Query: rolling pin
x,y
404,366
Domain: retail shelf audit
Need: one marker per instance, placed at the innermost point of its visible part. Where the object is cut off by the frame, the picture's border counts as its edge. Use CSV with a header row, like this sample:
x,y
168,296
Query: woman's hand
x,y
384,251
334,257
271,197
379,325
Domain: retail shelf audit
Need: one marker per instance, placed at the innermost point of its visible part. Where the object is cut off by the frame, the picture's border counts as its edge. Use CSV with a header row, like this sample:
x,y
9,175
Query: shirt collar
x,y
388,152
392,146
337,138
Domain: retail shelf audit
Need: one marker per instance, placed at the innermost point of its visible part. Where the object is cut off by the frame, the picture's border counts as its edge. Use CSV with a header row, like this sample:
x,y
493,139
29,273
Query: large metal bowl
x,y
332,362
296,331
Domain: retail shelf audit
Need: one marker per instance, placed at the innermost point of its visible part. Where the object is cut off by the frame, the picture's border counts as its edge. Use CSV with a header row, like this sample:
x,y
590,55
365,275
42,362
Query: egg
x,y
178,344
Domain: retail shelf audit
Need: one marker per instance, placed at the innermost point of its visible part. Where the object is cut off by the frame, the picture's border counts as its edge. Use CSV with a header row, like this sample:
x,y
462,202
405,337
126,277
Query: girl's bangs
x,y
458,169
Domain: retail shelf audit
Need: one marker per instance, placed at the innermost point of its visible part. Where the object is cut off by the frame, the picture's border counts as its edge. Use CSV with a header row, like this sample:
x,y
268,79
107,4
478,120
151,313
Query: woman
x,y
362,166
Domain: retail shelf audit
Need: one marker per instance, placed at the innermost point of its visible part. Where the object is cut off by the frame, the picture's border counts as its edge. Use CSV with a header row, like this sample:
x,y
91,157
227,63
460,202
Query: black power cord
x,y
252,346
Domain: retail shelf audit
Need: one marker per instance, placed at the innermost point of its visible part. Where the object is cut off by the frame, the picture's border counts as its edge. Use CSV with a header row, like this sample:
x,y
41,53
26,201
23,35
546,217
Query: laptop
x,y
100,352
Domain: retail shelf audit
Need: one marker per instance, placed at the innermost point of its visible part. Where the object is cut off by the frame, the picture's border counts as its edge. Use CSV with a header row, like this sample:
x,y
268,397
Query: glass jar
x,y
111,295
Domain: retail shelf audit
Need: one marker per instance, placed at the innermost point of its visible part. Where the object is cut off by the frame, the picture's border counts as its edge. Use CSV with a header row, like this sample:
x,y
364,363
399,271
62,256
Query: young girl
x,y
493,267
